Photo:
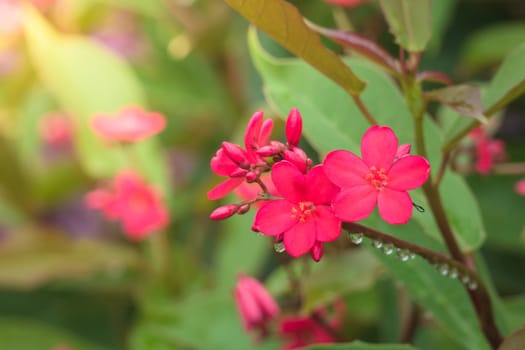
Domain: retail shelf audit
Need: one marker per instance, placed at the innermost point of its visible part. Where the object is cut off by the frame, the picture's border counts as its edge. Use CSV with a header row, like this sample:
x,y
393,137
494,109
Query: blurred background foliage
x,y
67,277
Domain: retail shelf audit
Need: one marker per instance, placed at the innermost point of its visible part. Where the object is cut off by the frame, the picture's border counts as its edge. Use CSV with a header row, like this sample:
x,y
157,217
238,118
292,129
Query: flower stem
x,y
364,110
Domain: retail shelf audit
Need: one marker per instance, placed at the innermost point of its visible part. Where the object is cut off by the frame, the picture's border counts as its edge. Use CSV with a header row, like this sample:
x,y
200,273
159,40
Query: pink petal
x,y
345,169
274,217
355,203
266,131
289,181
300,238
320,190
221,164
408,173
395,207
328,226
520,187
224,188
379,147
253,131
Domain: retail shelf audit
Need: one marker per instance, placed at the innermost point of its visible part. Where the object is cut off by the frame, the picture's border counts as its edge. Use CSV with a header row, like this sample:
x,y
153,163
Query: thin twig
x,y
362,107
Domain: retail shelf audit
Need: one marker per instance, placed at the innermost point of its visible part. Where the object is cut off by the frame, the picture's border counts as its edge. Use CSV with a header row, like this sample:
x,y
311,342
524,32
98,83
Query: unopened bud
x,y
243,209
239,173
235,153
297,157
317,251
402,150
251,177
275,147
224,212
294,127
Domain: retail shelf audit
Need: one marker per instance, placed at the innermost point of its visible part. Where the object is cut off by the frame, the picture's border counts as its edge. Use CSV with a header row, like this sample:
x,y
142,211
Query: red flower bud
x,y
317,251
251,177
235,153
239,173
224,212
243,209
275,147
297,157
294,127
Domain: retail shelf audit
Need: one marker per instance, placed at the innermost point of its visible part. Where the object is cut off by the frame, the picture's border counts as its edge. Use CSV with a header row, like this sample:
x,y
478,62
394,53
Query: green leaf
x,y
444,297
515,341
509,81
409,22
30,335
31,259
332,121
283,22
491,44
359,345
464,99
442,12
87,79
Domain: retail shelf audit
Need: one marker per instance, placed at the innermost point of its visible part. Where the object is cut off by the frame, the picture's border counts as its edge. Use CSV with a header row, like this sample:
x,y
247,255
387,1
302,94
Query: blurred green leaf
x,y
332,121
285,24
516,310
442,12
464,99
31,259
515,341
86,79
409,21
30,335
359,345
509,81
491,44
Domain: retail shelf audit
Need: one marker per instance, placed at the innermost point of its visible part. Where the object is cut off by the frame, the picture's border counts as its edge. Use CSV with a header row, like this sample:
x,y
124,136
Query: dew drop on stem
x,y
377,244
356,238
388,248
279,247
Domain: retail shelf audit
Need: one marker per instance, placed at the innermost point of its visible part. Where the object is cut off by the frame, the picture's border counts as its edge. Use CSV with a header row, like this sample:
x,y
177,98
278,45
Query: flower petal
x,y
224,188
300,238
408,172
355,203
274,217
379,147
345,169
289,181
395,207
221,164
328,226
253,130
320,190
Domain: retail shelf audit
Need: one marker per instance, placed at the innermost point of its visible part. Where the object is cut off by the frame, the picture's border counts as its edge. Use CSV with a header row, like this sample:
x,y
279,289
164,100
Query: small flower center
x,y
303,211
377,178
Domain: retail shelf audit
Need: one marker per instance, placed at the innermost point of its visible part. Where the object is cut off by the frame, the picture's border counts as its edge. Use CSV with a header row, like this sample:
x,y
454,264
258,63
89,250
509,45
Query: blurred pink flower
x,y
378,178
130,200
346,3
305,216
520,187
488,150
255,304
56,129
9,60
130,124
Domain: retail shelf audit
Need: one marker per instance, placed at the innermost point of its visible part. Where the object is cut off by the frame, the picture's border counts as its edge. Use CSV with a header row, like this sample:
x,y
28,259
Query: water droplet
x,y
412,255
377,244
472,285
388,248
443,269
465,279
403,254
356,238
279,247
453,273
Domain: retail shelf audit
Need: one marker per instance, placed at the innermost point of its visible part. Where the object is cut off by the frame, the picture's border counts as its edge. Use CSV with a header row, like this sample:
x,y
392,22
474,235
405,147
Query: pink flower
x,y
133,202
255,304
487,150
304,217
247,191
520,187
239,164
56,129
130,124
378,178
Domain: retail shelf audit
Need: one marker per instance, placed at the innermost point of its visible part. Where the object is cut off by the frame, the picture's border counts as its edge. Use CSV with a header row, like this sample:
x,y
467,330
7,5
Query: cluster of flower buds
x,y
307,203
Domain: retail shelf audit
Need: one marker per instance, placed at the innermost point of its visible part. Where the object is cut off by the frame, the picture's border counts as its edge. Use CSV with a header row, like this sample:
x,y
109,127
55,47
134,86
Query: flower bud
x,y
243,209
317,251
224,212
235,153
239,173
251,177
255,304
402,150
297,157
275,147
294,127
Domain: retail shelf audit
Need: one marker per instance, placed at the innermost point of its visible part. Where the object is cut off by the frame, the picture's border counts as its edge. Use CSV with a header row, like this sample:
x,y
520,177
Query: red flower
x,y
255,304
304,217
379,178
487,150
130,124
136,204
240,164
520,187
